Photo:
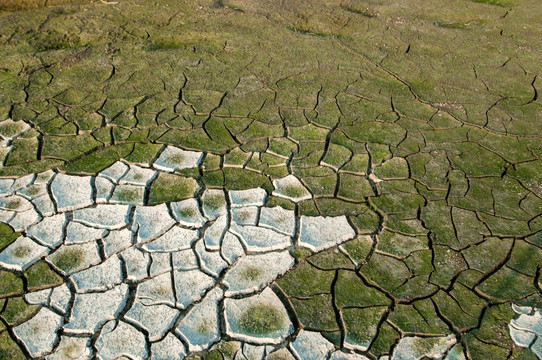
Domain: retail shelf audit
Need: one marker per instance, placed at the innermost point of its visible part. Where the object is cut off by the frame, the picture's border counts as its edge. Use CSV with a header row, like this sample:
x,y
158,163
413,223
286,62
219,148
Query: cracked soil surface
x,y
230,179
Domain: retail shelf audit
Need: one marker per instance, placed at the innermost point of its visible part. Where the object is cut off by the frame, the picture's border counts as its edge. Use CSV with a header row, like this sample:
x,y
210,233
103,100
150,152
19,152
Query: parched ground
x,y
392,149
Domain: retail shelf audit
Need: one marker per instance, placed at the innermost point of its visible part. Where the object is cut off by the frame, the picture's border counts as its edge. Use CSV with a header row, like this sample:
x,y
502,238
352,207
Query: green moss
x,y
351,291
261,319
69,147
242,215
484,350
272,201
324,185
359,248
214,201
419,317
187,212
236,157
10,129
239,179
40,275
9,349
361,324
394,168
11,283
379,153
331,259
126,194
24,150
455,25
509,285
205,327
213,178
13,204
305,280
229,349
358,164
213,355
355,187
21,251
99,160
29,167
211,162
283,146
293,191
7,235
33,190
143,153
251,273
386,338
389,273
337,155
55,40
300,253
17,311
69,258
316,312
170,187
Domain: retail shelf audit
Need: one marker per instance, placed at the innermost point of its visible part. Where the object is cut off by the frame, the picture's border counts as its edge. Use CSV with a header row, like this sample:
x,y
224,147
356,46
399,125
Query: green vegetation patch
x,y
293,191
69,258
10,283
40,275
214,201
9,349
21,251
99,160
7,235
170,187
18,311
251,273
261,319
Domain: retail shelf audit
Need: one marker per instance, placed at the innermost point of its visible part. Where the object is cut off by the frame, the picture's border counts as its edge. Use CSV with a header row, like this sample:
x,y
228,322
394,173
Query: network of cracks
x,y
170,280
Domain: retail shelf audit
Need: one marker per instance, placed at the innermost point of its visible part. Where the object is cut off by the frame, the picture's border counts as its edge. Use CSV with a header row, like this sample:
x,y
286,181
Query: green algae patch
x,y
9,349
300,253
7,235
272,201
21,252
362,324
251,273
214,201
10,283
205,327
40,276
69,259
18,311
127,194
187,212
13,204
261,319
240,179
170,187
143,153
99,160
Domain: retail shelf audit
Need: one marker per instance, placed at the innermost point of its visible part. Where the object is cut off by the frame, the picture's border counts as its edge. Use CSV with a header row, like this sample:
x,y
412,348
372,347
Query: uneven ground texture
x,y
417,123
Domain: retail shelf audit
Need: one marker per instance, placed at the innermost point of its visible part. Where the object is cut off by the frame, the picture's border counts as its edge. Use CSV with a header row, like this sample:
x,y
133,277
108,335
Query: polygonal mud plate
x,y
259,319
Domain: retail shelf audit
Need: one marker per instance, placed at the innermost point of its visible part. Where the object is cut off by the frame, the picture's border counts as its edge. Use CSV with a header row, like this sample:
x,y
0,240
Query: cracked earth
x,y
270,180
